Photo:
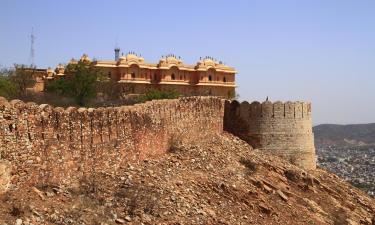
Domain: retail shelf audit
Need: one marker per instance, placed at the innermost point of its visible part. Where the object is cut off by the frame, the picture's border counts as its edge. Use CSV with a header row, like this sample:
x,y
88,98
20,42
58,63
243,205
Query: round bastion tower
x,y
281,128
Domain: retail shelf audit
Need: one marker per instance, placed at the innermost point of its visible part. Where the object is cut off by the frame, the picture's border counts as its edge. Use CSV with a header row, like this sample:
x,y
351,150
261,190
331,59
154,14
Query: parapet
x,y
268,109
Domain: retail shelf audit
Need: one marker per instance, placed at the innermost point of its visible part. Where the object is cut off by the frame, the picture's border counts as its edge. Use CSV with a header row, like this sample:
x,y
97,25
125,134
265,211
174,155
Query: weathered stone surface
x,y
284,129
199,183
64,146
282,195
5,176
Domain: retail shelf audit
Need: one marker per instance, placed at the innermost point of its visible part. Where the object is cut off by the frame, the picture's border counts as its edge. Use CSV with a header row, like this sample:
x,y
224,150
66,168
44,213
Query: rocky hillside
x,y
344,135
221,181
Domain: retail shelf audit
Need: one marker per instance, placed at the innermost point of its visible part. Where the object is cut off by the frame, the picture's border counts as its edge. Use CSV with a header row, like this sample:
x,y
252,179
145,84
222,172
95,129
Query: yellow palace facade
x,y
206,77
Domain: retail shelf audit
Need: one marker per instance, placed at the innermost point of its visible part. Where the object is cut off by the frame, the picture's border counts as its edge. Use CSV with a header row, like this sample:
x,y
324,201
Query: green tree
x,y
80,82
7,88
22,78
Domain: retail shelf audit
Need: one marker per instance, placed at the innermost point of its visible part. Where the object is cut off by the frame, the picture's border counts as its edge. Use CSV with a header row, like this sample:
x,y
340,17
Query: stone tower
x,y
281,128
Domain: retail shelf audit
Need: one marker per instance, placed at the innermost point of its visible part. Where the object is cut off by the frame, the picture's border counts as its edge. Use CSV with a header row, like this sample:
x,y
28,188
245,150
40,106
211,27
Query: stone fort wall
x,y
282,128
65,146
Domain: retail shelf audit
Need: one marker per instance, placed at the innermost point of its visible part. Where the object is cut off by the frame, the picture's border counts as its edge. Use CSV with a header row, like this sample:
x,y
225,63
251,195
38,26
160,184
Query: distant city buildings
x,y
354,164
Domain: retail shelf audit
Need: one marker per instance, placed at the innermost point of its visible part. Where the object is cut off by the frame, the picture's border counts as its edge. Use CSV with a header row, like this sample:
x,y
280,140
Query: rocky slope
x,y
221,181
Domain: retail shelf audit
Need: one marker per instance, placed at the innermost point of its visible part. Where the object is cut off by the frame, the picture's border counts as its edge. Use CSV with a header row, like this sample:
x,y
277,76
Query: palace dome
x,y
85,58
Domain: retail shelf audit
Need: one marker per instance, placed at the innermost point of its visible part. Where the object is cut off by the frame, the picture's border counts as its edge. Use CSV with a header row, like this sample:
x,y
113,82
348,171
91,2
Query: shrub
x,y
251,165
175,144
293,175
7,89
14,82
158,94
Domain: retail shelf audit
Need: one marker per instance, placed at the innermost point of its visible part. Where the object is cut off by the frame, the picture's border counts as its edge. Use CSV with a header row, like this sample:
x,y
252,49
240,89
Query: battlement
x,y
269,109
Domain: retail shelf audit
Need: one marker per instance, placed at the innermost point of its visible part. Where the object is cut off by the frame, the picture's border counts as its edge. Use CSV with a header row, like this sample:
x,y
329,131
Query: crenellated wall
x,y
282,128
43,144
66,146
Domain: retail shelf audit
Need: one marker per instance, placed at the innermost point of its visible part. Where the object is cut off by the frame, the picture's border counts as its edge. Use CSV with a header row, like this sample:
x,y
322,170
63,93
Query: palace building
x,y
207,77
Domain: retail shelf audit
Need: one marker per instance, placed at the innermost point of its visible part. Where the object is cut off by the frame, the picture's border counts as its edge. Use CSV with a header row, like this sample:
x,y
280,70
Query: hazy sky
x,y
319,51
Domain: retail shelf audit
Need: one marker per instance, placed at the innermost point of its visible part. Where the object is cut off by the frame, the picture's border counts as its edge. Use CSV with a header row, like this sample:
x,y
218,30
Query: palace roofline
x,y
164,63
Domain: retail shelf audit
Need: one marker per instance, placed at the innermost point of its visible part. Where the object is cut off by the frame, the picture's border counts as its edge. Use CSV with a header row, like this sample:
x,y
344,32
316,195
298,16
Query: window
x,y
210,78
133,75
224,79
109,74
173,76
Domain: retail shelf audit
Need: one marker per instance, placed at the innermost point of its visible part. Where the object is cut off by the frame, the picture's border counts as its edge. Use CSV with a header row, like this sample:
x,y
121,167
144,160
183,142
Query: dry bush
x,y
340,217
251,165
138,199
292,175
175,144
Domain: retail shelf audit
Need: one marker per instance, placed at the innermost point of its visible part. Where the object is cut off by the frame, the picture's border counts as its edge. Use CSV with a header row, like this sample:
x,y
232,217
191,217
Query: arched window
x,y
133,75
224,79
173,76
210,78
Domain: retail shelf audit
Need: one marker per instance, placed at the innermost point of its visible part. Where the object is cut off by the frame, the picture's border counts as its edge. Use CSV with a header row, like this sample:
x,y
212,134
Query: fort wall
x,y
65,146
43,144
281,128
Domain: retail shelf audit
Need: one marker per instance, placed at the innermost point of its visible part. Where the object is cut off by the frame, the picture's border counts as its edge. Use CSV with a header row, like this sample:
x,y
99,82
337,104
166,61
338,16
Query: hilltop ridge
x,y
169,162
344,135
218,181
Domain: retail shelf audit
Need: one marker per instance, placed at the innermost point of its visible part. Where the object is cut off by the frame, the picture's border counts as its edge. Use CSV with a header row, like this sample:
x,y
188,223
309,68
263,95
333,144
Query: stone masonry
x,y
42,144
66,146
285,129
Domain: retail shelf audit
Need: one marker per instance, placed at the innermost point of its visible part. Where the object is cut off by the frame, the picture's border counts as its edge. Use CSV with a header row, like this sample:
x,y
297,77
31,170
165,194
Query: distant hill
x,y
344,135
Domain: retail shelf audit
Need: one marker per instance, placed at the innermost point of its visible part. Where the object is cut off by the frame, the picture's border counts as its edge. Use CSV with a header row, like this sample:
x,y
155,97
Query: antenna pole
x,y
32,50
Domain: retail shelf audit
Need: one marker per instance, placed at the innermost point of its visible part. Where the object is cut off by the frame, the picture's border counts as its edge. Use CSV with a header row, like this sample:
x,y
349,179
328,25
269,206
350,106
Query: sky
x,y
312,50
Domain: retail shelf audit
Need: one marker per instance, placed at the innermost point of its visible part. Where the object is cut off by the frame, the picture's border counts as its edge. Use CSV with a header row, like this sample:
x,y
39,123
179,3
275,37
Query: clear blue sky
x,y
315,50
